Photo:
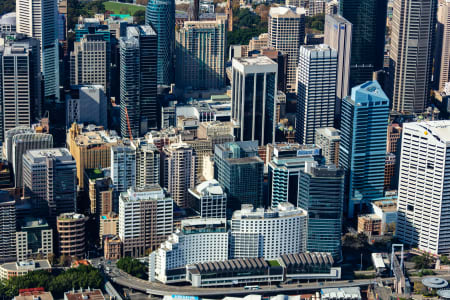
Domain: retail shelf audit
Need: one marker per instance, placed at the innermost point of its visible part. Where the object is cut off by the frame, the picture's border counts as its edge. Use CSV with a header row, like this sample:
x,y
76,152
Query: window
x,y
410,207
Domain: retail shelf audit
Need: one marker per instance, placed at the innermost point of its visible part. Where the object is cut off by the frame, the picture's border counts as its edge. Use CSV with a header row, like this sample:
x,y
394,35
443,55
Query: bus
x,y
252,287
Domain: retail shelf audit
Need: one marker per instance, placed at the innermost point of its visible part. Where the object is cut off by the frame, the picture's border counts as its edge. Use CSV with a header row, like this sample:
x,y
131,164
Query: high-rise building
x,y
178,162
145,219
362,149
7,227
316,91
256,232
240,172
422,189
368,32
38,19
49,178
71,231
413,25
21,143
338,35
328,140
138,63
34,237
286,33
88,61
91,147
321,194
86,104
254,92
123,168
160,14
147,163
8,22
209,199
20,80
200,52
442,54
8,141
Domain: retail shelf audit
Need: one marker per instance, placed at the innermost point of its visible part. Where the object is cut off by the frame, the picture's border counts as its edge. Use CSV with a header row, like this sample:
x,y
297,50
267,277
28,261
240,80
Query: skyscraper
x,y
88,61
338,35
316,91
86,104
241,173
253,96
178,162
123,168
413,25
138,63
50,179
38,19
368,18
442,54
362,149
7,227
160,14
200,52
286,33
424,178
321,194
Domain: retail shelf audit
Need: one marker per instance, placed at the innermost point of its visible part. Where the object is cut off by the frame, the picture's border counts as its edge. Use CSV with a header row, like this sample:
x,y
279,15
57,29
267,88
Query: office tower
x,y
200,52
71,231
34,237
86,104
411,54
316,91
338,35
281,59
138,62
38,19
8,22
88,61
253,96
178,162
369,23
321,194
362,148
200,240
147,163
422,197
286,33
442,54
49,178
7,227
21,143
100,191
160,14
123,168
194,9
328,139
20,82
240,172
145,219
256,232
91,148
209,199
7,143
284,171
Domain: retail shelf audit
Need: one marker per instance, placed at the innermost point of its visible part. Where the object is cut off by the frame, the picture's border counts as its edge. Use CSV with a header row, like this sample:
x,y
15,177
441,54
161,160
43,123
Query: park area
x,y
123,8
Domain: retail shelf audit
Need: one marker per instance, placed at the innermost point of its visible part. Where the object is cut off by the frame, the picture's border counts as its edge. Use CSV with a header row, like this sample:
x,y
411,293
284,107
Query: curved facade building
x,y
71,229
160,15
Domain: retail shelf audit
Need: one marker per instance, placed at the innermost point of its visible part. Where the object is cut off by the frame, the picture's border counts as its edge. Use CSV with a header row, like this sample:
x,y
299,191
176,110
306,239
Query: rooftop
x,y
255,60
30,265
33,295
70,216
283,210
60,154
369,92
210,187
439,129
84,295
287,11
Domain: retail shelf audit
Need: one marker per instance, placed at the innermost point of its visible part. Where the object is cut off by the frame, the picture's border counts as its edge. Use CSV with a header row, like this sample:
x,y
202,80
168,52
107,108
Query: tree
x,y
444,260
419,288
133,267
423,261
139,17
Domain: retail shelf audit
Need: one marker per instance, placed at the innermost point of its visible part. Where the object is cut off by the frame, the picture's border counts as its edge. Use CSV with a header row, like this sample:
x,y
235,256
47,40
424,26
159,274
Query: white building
x,y
316,91
423,197
13,269
268,233
145,219
147,163
87,104
35,237
123,167
200,240
38,19
209,199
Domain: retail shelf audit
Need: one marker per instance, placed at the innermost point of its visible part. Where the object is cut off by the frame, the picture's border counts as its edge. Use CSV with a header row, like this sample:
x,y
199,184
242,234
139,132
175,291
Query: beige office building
x,y
442,60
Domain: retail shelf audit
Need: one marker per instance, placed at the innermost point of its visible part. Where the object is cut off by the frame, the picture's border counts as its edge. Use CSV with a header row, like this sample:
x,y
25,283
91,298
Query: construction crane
x,y
128,123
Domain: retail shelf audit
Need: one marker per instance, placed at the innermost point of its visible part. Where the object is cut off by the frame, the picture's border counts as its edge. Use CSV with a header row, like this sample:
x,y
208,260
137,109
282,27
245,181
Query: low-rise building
x,y
370,224
386,210
209,199
109,225
33,294
112,247
21,268
94,294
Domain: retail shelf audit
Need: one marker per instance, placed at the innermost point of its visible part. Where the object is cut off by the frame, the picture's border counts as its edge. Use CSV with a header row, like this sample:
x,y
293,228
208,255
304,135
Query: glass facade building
x,y
160,14
321,193
368,18
362,149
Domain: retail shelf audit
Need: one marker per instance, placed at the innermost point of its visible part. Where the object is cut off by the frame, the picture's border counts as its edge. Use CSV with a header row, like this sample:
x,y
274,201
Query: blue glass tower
x,y
160,15
362,150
